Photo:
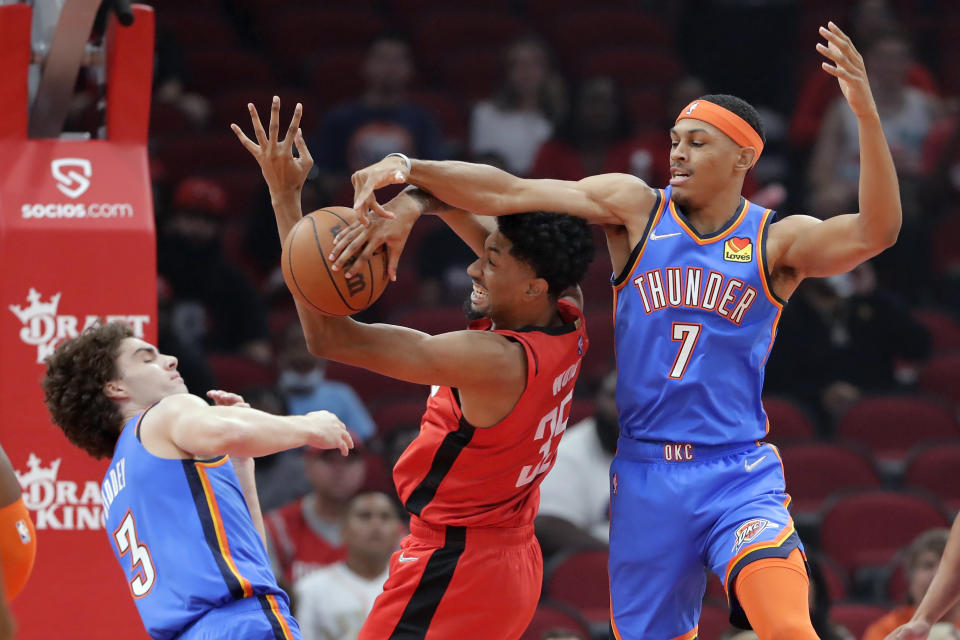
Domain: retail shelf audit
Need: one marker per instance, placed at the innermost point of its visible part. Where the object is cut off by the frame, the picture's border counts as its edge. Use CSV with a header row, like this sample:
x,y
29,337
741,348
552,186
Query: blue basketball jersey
x,y
183,535
695,319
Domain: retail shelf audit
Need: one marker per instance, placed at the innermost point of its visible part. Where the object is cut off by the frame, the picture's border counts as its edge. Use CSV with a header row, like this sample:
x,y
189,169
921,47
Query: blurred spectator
x,y
305,535
396,442
514,123
820,606
941,164
869,19
381,121
302,383
281,477
561,634
260,244
191,360
841,337
333,602
650,158
586,142
170,82
442,262
921,560
575,496
214,306
907,115
442,258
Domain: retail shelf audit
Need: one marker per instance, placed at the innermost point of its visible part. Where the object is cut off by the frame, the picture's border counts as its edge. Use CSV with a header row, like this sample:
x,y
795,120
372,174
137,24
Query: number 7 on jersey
x,y
686,334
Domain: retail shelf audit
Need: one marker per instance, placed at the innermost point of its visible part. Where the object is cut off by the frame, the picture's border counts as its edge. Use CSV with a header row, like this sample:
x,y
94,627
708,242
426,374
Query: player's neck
x,y
713,214
129,409
366,568
543,316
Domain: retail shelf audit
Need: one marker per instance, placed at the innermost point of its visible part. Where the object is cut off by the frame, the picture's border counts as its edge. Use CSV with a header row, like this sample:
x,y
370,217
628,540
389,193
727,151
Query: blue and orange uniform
x,y
692,485
192,558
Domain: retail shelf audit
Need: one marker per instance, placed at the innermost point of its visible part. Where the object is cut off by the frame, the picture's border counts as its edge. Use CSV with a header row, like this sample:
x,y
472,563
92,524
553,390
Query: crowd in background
x,y
565,89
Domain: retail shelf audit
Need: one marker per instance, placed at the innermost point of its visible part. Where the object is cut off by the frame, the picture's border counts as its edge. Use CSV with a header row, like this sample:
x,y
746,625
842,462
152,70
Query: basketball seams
x,y
369,264
316,239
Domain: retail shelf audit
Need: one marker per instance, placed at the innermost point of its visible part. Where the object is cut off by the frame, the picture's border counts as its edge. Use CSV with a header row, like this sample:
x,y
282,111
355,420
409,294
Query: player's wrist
x,y
400,164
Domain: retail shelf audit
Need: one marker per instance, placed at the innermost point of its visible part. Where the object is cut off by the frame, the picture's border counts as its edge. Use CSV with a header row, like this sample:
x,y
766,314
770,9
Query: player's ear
x,y
745,158
115,390
535,288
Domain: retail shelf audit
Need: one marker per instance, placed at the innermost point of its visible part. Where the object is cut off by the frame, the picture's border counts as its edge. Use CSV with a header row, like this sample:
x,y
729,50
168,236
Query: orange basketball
x,y
307,270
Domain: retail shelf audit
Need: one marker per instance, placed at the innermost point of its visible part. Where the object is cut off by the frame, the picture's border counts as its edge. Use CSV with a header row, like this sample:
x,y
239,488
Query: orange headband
x,y
727,121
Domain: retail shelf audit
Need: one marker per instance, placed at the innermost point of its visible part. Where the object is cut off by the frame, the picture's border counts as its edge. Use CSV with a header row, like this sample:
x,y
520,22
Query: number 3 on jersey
x,y
552,424
686,334
126,537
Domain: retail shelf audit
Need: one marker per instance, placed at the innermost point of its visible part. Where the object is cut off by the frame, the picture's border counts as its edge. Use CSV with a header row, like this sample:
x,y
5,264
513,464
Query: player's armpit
x,y
462,359
818,248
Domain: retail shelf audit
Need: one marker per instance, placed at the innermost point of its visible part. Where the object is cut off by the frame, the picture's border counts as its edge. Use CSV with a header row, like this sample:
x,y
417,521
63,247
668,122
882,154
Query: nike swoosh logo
x,y
750,467
654,236
403,559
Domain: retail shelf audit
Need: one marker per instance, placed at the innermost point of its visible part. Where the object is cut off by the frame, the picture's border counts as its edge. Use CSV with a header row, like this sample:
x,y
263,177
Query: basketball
x,y
307,272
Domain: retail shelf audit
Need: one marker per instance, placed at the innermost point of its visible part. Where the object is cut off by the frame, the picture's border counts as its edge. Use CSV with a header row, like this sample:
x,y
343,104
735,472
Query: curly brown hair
x,y
73,387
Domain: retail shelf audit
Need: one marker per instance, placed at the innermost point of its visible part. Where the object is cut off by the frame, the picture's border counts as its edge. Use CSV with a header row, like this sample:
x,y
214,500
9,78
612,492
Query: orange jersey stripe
x,y
613,623
689,635
218,524
275,609
761,262
650,227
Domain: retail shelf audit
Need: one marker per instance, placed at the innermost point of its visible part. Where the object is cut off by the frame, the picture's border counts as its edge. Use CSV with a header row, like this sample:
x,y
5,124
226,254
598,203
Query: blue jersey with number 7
x,y
184,538
695,321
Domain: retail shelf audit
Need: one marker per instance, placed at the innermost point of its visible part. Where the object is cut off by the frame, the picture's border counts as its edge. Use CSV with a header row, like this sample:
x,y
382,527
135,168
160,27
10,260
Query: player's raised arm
x,y
811,247
605,199
283,172
203,431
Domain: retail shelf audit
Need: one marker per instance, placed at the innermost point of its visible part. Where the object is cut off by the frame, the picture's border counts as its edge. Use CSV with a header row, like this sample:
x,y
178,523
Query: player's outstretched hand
x,y
227,399
915,630
284,172
848,69
329,432
360,242
390,170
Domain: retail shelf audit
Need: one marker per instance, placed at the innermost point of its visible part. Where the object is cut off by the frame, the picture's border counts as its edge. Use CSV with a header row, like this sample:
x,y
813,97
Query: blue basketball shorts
x,y
254,618
677,509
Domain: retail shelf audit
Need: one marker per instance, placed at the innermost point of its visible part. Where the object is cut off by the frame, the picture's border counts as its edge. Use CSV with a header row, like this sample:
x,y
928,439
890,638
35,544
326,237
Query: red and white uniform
x,y
473,495
299,547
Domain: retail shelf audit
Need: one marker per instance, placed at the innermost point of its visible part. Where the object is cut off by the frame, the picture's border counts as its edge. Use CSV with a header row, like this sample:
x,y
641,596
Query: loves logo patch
x,y
738,250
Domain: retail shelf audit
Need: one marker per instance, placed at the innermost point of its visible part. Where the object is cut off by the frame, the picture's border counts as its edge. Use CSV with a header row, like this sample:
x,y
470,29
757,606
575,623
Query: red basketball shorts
x,y
456,582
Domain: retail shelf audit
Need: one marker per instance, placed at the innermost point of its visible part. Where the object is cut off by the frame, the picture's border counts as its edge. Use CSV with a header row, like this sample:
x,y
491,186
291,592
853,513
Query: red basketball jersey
x,y
455,474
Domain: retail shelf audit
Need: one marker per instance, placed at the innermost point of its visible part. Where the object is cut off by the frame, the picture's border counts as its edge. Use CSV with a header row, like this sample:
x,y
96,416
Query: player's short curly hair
x,y
73,387
558,247
740,107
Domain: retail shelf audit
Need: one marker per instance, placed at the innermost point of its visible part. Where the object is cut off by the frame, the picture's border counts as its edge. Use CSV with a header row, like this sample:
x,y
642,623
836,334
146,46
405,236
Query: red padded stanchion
x,y
77,242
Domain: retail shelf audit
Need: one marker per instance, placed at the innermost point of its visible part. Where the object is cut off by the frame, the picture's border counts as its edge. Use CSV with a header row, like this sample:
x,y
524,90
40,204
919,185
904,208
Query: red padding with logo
x,y
77,242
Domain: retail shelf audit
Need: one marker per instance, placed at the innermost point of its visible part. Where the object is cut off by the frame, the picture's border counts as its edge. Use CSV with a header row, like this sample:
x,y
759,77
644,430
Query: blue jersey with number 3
x,y
183,535
695,321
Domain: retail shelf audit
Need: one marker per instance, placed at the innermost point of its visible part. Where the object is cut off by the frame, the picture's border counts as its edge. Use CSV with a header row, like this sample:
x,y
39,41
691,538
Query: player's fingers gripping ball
x,y
308,272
